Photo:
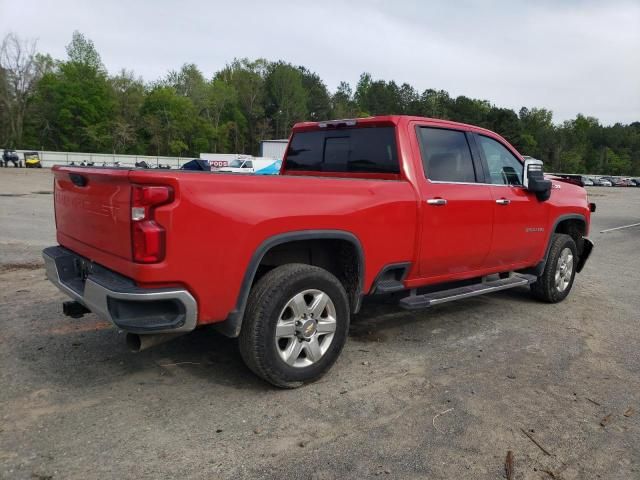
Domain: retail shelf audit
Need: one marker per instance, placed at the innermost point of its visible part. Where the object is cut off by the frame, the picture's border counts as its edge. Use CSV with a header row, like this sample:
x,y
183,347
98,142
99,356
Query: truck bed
x,y
216,221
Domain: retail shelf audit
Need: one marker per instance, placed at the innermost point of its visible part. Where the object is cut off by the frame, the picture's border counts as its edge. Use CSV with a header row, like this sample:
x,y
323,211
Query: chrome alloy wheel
x,y
564,269
305,328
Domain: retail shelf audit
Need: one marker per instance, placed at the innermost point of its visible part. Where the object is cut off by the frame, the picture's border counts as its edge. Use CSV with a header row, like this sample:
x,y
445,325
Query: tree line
x,y
74,104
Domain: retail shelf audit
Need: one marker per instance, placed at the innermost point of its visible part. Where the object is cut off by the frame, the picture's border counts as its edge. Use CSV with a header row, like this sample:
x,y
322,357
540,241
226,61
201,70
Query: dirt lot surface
x,y
443,393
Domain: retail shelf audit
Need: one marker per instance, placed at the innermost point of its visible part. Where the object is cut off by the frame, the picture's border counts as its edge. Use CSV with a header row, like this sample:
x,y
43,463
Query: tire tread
x,y
544,288
262,299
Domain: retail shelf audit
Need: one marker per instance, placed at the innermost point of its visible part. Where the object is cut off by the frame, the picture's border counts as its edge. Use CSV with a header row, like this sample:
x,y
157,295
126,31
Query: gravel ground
x,y
442,393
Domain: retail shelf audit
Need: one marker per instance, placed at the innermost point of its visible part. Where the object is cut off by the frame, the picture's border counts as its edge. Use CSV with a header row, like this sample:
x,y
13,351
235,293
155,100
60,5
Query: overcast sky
x,y
569,56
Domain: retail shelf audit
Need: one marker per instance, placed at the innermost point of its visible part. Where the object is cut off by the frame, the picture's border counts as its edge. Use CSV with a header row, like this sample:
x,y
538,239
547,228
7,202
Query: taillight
x,y
148,238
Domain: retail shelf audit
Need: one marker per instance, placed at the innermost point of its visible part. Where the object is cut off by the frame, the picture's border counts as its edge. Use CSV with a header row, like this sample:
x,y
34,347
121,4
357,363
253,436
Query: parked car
x,y
587,182
571,178
378,205
610,180
636,182
605,183
617,182
239,165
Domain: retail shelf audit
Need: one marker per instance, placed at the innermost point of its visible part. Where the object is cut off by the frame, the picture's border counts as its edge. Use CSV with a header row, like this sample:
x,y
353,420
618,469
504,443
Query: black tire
x,y
546,287
267,300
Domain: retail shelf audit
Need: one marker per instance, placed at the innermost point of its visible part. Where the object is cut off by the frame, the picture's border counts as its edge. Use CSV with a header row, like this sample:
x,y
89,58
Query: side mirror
x,y
534,181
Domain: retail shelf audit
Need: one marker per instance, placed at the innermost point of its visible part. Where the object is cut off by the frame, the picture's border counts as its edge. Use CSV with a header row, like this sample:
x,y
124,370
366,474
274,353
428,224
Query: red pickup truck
x,y
430,210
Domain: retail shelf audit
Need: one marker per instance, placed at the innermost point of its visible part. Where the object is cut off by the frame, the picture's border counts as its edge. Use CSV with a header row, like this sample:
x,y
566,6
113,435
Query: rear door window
x,y
446,155
359,150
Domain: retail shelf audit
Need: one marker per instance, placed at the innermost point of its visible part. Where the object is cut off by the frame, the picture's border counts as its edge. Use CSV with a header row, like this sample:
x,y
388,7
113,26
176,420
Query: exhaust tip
x,y
134,342
137,343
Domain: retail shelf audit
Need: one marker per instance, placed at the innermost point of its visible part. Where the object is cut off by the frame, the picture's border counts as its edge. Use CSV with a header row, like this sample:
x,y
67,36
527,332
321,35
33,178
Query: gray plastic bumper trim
x,y
97,292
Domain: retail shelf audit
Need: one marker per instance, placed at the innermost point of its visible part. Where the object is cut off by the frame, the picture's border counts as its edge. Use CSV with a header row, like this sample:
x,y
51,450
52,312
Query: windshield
x,y
236,163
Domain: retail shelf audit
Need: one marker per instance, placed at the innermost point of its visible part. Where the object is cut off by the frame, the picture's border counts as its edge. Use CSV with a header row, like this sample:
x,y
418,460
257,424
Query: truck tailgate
x,y
93,206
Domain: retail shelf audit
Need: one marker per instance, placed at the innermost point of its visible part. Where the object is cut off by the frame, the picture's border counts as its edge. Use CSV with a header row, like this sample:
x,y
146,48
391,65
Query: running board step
x,y
389,286
415,302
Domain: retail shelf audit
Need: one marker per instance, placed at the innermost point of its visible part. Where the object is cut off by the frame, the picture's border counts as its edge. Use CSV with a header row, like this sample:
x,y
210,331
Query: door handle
x,y
503,201
436,201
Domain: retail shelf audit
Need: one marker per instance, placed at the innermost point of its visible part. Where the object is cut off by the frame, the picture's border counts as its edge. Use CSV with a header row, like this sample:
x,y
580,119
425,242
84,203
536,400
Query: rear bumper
x,y
117,299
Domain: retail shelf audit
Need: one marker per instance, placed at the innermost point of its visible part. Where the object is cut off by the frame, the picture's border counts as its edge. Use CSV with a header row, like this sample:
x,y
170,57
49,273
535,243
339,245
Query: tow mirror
x,y
534,181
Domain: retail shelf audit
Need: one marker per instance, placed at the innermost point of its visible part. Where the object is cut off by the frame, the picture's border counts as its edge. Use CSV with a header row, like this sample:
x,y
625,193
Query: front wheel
x,y
295,325
557,279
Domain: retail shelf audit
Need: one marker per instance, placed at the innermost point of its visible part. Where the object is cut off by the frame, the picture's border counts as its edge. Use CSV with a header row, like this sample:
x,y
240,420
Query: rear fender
x,y
232,325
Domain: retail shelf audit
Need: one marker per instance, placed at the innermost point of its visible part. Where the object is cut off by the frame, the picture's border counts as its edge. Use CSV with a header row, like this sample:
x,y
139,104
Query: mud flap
x,y
584,256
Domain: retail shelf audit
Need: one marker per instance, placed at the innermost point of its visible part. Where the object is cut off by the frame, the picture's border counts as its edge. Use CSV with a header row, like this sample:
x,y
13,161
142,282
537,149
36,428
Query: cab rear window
x,y
359,150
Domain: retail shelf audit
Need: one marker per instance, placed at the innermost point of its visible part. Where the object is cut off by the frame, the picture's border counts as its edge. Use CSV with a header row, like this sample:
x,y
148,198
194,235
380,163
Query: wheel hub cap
x,y
564,270
305,328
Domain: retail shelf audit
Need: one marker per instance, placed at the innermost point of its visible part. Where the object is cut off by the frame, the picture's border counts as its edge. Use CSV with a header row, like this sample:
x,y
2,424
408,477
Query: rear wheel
x,y
557,279
295,325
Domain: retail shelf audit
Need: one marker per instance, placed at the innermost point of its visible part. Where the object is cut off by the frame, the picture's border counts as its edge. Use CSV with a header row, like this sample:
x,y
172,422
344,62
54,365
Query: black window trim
x,y
481,171
485,164
478,168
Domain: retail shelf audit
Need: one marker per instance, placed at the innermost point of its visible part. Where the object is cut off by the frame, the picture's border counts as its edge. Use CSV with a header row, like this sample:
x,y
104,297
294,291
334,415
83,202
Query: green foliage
x,y
435,104
75,105
169,121
378,97
617,164
248,80
507,123
82,51
318,100
342,103
469,110
128,93
286,99
571,161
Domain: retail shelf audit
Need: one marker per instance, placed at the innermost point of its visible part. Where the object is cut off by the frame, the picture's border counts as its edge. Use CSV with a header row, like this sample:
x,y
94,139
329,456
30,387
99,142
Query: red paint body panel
x,y
519,227
97,213
216,221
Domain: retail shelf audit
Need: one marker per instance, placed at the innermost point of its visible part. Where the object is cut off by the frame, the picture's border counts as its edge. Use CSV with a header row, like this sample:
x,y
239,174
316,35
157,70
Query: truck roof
x,y
393,119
